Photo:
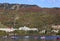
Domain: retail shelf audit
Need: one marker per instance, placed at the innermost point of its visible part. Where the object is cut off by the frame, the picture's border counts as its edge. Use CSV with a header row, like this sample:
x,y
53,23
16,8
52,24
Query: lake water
x,y
29,38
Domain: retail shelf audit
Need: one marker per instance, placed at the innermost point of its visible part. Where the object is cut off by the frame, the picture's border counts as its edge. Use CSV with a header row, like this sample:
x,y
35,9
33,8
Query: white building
x,y
24,28
21,28
43,31
27,28
34,29
7,29
56,26
56,31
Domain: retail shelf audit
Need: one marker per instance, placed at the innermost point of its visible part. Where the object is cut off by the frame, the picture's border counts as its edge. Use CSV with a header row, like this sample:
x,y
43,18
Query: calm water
x,y
29,38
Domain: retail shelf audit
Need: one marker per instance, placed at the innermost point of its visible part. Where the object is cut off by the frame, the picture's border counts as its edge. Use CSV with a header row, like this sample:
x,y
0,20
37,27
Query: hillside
x,y
28,15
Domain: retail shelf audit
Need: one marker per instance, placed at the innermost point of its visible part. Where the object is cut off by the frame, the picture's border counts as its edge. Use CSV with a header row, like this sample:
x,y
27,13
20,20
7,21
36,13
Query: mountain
x,y
26,7
29,15
23,7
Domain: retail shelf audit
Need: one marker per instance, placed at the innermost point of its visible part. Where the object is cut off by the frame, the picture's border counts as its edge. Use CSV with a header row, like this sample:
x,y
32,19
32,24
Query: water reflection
x,y
30,38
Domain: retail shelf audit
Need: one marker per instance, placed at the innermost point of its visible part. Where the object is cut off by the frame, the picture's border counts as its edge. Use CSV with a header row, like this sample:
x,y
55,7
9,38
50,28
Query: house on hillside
x,y
7,29
56,31
28,29
43,31
56,26
24,28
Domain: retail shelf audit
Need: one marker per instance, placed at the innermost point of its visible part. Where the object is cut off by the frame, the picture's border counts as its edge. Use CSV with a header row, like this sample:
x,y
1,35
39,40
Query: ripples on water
x,y
30,38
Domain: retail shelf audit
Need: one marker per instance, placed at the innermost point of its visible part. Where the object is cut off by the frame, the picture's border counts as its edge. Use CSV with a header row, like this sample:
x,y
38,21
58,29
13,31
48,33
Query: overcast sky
x,y
41,3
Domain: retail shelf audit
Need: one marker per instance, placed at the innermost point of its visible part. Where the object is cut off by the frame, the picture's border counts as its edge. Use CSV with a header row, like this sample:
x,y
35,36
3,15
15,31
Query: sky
x,y
41,3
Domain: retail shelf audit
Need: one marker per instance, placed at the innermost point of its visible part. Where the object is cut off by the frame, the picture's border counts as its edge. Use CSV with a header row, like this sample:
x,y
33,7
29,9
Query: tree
x,y
58,33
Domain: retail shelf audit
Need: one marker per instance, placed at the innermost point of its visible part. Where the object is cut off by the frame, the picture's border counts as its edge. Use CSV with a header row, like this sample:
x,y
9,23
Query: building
x,y
27,28
7,29
56,26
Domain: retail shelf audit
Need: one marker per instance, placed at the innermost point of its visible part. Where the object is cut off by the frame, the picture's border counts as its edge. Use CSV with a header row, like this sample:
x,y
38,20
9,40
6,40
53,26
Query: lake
x,y
29,38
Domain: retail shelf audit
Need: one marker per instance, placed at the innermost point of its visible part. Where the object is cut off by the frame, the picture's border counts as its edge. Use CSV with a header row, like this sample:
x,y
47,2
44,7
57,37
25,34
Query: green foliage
x,y
2,26
2,33
30,19
58,33
38,20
